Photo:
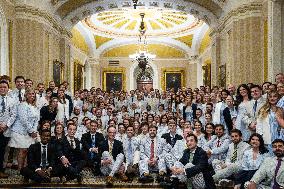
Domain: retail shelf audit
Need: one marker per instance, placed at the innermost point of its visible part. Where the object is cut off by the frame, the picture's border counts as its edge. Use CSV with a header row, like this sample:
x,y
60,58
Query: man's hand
x,y
152,162
42,173
251,185
95,150
223,165
177,171
106,161
65,161
33,134
209,153
3,127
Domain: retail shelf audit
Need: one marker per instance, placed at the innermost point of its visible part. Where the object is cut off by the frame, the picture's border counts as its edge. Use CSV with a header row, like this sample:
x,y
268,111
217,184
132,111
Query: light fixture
x,y
135,3
142,56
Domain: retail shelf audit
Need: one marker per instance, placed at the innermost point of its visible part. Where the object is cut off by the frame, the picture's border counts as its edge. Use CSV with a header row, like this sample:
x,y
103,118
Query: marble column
x,y
275,38
93,73
215,54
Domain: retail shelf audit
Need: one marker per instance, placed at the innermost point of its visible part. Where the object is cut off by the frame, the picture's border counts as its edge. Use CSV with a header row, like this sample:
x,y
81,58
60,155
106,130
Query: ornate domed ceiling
x,y
125,22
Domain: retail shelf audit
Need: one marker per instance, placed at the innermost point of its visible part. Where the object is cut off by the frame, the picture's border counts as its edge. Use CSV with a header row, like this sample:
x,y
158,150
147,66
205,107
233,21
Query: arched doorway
x,y
133,71
144,80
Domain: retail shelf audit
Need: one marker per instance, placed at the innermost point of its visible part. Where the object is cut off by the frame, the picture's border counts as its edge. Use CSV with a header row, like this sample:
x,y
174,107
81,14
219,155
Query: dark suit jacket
x,y
46,115
200,160
64,149
34,156
86,141
228,118
167,137
194,108
117,148
70,102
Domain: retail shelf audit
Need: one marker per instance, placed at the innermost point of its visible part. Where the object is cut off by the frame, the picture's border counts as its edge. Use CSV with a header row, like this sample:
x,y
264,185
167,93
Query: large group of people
x,y
197,136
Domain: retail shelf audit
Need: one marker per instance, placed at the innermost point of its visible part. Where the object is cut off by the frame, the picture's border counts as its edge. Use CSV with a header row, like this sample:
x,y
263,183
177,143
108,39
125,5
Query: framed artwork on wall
x,y
78,75
58,72
114,79
173,78
206,73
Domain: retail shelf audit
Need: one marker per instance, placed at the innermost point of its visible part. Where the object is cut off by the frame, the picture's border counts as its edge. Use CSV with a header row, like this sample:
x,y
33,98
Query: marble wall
x,y
159,64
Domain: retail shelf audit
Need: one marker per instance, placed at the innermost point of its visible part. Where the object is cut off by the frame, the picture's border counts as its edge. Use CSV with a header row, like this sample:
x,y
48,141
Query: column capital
x,y
93,61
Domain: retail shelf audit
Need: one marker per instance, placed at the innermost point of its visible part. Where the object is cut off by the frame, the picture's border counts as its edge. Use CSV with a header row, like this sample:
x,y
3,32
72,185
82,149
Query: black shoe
x,y
79,179
160,178
146,179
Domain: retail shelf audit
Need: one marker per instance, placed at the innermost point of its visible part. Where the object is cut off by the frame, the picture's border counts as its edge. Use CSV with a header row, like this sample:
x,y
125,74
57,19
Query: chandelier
x,y
142,57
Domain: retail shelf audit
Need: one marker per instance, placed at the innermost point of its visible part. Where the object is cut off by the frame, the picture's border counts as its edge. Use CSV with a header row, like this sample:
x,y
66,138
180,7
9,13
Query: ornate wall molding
x,y
248,10
27,12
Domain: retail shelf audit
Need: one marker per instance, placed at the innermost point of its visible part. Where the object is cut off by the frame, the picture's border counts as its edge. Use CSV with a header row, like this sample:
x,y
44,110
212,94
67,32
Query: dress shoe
x,y
226,183
79,179
14,166
3,175
123,177
146,178
161,176
109,180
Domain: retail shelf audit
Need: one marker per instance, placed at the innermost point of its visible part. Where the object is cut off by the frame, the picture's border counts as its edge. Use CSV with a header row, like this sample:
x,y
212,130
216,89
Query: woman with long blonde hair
x,y
24,129
270,123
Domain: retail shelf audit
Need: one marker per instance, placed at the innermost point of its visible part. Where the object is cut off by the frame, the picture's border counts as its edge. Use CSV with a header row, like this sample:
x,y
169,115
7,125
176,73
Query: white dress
x,y
26,122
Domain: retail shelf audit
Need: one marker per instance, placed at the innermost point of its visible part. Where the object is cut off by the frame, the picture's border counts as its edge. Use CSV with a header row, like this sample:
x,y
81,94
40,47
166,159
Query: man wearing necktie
x,y
232,164
42,161
271,170
7,118
217,148
152,153
112,157
131,151
18,93
90,144
255,105
71,156
193,167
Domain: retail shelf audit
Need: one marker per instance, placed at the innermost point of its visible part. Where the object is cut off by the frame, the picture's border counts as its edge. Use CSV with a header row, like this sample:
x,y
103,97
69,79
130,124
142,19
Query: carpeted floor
x,y
15,180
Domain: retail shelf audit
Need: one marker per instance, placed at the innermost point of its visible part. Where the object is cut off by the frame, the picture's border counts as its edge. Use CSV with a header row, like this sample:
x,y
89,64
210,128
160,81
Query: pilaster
x,y
275,38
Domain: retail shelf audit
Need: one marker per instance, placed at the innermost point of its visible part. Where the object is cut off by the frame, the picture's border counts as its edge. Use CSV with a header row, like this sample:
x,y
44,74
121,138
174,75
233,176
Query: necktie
x,y
43,157
218,143
92,154
3,104
130,151
110,148
72,144
20,95
254,107
191,157
275,184
172,141
152,150
40,95
93,141
234,157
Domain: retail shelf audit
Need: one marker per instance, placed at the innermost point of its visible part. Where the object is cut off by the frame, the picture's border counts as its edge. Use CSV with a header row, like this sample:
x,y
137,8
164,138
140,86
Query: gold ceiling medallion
x,y
159,22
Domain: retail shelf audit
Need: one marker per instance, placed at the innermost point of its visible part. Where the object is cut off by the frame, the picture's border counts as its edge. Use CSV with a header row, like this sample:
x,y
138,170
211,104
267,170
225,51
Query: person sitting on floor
x,y
193,167
42,161
112,157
